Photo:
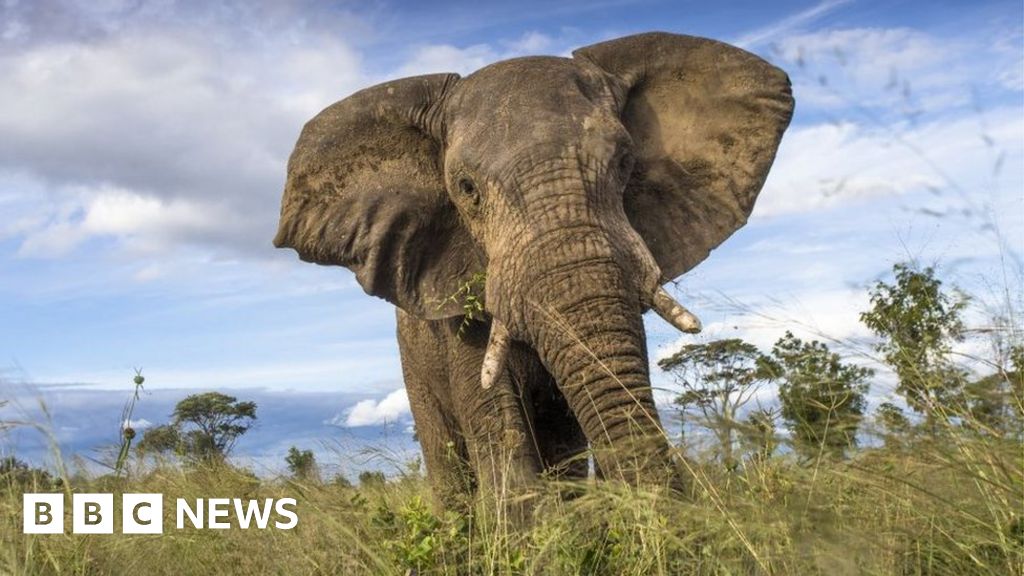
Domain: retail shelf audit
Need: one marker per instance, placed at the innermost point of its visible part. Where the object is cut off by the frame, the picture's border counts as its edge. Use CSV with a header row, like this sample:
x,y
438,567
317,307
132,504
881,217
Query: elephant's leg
x,y
493,422
424,367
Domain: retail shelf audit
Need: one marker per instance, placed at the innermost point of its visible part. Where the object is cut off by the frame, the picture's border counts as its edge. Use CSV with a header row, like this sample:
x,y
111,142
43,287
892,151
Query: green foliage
x,y
469,296
164,440
371,479
717,379
822,398
417,547
203,429
302,465
995,403
212,422
759,433
894,424
15,473
918,323
341,481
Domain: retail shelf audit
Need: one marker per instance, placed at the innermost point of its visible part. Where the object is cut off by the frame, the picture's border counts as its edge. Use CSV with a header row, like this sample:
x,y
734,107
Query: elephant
x,y
522,219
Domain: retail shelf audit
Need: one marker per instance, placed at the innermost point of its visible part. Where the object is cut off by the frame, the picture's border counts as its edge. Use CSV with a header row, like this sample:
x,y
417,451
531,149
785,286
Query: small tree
x,y
918,323
717,379
14,472
822,398
1016,381
371,479
759,434
994,403
893,423
302,464
204,428
215,420
164,440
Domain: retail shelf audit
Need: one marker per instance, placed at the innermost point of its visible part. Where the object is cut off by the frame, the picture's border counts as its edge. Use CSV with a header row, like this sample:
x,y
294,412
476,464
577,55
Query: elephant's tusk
x,y
497,352
674,313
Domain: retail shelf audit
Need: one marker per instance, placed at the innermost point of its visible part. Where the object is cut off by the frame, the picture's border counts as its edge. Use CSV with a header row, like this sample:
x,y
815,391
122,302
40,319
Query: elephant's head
x,y
578,185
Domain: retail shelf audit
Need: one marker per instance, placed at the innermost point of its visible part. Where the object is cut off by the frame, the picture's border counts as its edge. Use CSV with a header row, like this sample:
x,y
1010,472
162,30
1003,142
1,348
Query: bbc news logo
x,y
144,513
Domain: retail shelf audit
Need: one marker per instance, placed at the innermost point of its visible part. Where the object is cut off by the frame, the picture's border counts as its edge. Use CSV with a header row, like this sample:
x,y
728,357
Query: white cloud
x,y
391,408
114,211
1006,49
530,43
446,58
142,222
52,241
138,424
901,71
821,165
149,272
831,315
433,58
173,135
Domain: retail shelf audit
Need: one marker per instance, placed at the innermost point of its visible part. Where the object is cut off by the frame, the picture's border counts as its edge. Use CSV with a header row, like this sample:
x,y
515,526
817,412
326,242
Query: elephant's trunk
x,y
595,347
583,288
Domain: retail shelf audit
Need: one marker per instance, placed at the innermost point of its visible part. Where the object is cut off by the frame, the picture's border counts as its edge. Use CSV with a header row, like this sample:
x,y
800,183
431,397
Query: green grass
x,y
951,505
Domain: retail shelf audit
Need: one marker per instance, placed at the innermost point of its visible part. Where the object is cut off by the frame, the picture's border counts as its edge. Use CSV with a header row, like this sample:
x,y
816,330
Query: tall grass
x,y
925,507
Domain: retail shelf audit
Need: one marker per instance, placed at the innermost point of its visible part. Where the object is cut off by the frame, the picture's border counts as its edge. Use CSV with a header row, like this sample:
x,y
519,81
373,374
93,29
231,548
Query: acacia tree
x,y
822,398
164,439
918,323
717,379
212,422
204,427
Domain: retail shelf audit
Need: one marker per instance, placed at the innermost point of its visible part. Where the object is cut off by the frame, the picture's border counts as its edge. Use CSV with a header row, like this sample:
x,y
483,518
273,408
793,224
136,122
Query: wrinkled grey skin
x,y
579,185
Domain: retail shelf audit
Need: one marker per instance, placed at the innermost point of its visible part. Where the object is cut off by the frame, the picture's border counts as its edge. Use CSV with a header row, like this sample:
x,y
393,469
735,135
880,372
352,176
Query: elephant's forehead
x,y
526,101
535,84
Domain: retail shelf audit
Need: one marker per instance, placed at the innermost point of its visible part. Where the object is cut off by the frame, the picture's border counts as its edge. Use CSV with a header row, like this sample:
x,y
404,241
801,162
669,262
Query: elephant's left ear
x,y
365,190
706,119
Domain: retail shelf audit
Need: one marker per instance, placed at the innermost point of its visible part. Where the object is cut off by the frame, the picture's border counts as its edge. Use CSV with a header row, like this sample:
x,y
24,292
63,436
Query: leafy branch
x,y
469,296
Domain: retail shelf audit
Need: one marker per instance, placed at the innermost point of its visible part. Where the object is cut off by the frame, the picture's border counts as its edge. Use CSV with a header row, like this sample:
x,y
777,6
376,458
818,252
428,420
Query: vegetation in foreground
x,y
926,508
938,490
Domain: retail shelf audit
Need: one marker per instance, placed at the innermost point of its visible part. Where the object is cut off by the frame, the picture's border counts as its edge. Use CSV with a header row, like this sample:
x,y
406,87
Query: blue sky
x,y
142,154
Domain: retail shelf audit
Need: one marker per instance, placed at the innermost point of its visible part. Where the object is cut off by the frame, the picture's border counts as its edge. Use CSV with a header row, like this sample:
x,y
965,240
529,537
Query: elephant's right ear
x,y
706,119
365,190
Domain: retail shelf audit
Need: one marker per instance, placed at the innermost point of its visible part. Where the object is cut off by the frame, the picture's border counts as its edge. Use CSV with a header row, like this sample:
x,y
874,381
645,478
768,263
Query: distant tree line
x,y
205,427
821,397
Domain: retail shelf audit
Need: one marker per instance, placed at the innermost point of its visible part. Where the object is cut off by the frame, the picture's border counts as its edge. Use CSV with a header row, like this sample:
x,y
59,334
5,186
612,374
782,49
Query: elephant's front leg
x,y
493,422
423,346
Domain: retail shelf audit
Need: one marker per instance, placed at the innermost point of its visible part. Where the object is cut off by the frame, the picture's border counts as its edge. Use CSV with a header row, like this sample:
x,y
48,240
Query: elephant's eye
x,y
467,187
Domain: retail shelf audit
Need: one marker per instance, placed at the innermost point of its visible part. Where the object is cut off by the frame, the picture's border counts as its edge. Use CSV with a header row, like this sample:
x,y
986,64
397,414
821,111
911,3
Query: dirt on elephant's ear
x,y
706,119
366,191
